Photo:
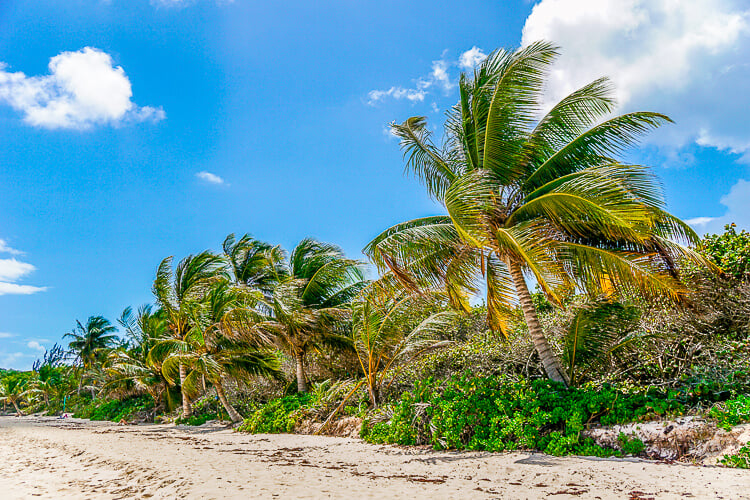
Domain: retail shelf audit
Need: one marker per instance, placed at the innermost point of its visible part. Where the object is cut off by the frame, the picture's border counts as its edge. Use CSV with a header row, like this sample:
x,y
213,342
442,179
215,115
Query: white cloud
x,y
33,344
439,77
471,58
11,270
685,59
210,178
10,360
737,202
5,248
413,95
83,89
6,335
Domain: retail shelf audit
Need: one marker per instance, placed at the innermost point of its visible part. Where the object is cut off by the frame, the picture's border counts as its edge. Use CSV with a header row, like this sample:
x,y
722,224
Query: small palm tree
x,y
13,391
90,339
311,304
534,196
385,335
178,291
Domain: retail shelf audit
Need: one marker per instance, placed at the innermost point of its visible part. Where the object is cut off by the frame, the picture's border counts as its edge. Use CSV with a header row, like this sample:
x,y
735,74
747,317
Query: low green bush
x,y
740,460
114,410
731,412
499,413
277,416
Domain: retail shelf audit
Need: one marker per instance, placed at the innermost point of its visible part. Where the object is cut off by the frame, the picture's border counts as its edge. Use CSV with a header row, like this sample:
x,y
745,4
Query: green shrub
x,y
199,419
498,414
740,460
732,412
277,416
114,410
630,445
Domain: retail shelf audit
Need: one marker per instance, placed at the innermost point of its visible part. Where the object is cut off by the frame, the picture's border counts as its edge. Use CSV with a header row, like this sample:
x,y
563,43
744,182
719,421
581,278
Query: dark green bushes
x,y
115,410
277,416
498,413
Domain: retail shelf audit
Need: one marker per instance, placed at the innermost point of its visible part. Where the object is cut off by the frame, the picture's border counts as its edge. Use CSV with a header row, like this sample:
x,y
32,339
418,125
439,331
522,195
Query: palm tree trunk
x,y
233,414
550,362
374,393
186,408
18,410
301,377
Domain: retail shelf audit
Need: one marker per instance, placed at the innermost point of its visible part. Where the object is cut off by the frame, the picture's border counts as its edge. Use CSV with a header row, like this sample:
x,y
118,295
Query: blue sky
x,y
133,130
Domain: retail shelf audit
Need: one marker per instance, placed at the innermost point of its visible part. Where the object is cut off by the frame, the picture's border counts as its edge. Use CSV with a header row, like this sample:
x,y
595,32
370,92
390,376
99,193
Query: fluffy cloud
x,y
11,270
6,335
738,211
439,77
685,59
210,178
82,89
413,95
33,344
469,59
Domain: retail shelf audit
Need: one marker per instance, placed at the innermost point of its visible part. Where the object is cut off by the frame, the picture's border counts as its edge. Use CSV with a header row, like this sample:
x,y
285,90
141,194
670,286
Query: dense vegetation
x,y
634,316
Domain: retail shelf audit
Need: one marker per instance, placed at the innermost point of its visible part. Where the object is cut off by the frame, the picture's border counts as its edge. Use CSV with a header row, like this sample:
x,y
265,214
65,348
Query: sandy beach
x,y
50,458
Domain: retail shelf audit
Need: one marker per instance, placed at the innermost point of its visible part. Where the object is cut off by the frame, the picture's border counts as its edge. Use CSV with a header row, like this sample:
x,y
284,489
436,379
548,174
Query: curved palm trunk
x,y
550,362
18,410
301,376
187,410
233,414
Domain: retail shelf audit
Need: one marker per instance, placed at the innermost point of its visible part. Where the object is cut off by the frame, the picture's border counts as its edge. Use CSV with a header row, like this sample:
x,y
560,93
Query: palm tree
x,y
385,335
13,391
542,197
133,370
253,263
310,305
176,292
211,351
90,339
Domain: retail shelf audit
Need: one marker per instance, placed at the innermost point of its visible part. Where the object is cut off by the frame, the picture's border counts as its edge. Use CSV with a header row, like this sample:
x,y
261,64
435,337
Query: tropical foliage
x,y
449,345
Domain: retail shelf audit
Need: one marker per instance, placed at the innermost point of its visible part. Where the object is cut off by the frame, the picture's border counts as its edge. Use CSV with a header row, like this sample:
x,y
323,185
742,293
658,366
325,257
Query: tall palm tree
x,y
532,194
132,369
310,305
90,339
178,291
211,351
254,263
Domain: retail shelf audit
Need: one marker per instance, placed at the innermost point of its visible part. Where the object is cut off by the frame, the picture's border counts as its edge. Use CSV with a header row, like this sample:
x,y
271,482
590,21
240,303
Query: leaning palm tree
x,y
311,304
13,391
177,292
535,197
211,350
91,339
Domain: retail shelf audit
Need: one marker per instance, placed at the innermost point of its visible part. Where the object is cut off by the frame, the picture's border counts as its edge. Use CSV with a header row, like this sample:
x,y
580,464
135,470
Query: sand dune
x,y
71,459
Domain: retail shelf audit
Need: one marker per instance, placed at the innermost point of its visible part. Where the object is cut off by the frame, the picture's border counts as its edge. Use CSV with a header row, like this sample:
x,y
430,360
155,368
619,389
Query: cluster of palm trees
x,y
531,193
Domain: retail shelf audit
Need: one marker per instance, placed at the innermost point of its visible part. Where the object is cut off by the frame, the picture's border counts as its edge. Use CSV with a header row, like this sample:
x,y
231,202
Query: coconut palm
x,y
253,263
178,291
90,339
13,391
529,196
132,370
310,305
211,352
385,335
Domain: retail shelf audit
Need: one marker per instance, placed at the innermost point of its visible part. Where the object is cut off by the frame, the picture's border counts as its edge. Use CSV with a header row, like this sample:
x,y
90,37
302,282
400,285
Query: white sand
x,y
71,459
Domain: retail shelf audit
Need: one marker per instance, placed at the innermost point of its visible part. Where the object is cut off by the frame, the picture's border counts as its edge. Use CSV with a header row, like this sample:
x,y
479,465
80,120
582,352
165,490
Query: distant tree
x,y
729,250
89,339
